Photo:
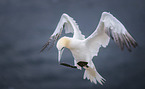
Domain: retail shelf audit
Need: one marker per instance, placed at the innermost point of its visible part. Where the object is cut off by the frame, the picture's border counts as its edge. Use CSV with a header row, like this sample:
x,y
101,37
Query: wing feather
x,y
66,22
109,27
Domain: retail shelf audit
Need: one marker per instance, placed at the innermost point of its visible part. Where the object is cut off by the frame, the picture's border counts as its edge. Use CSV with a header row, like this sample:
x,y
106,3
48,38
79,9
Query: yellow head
x,y
63,42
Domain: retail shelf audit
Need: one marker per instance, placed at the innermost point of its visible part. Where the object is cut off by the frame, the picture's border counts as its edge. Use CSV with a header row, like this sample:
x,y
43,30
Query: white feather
x,y
108,23
70,26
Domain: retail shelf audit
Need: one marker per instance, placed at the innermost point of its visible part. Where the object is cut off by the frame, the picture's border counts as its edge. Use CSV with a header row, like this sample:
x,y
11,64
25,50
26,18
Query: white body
x,y
81,52
84,49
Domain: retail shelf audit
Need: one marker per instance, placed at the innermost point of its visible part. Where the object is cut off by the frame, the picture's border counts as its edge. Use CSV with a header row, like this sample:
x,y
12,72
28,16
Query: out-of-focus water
x,y
25,26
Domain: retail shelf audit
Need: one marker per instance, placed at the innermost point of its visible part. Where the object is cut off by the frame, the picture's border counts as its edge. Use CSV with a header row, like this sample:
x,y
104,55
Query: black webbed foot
x,y
82,64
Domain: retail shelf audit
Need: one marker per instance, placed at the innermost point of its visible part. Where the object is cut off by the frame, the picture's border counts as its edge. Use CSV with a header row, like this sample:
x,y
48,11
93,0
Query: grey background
x,y
25,26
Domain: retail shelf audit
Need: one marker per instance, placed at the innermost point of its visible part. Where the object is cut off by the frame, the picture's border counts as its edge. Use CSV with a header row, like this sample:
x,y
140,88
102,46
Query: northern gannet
x,y
84,49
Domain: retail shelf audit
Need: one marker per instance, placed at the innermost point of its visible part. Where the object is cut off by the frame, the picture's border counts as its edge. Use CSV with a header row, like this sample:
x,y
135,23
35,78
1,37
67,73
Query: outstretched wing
x,y
70,26
108,27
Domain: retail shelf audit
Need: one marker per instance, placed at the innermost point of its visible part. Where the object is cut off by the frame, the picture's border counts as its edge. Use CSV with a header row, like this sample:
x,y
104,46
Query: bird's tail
x,y
92,75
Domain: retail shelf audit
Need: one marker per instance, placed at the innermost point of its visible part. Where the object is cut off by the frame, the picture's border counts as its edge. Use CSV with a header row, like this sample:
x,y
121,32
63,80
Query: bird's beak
x,y
60,54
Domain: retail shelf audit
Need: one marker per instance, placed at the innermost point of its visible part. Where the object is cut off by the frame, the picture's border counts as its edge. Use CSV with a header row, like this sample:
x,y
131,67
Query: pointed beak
x,y
60,54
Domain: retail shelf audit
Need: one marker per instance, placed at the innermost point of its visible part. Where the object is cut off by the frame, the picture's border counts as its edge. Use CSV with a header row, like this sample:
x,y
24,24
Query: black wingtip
x,y
67,65
44,47
50,43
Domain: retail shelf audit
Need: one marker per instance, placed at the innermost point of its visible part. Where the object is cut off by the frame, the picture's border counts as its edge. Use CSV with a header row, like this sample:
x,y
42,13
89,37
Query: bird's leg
x,y
75,64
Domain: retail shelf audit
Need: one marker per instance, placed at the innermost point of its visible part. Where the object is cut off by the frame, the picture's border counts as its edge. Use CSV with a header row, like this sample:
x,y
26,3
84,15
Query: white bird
x,y
84,49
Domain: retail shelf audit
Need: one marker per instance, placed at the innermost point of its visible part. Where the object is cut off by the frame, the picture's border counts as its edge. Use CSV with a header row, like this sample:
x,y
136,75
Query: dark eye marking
x,y
62,48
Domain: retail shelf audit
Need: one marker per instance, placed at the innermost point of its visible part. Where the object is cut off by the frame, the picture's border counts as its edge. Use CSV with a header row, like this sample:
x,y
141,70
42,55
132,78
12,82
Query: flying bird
x,y
84,49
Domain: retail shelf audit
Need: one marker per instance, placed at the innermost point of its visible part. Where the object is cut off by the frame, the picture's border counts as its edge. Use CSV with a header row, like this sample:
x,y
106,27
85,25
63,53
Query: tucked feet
x,y
83,64
80,63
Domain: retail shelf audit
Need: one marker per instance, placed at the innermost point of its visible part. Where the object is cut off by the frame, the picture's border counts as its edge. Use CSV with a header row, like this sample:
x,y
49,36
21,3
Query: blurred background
x,y
25,26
